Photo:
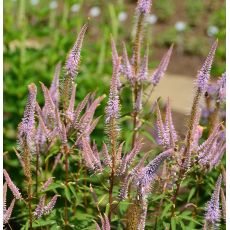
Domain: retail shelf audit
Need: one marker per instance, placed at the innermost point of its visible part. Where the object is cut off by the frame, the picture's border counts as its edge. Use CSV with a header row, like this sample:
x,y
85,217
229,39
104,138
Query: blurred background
x,y
39,33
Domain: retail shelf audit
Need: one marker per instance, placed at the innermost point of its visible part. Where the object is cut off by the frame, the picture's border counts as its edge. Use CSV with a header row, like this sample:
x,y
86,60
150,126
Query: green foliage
x,y
164,9
195,11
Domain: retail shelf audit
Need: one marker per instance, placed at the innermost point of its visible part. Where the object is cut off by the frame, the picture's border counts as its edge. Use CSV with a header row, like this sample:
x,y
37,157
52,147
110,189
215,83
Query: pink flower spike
x,y
14,189
8,212
204,73
73,59
162,67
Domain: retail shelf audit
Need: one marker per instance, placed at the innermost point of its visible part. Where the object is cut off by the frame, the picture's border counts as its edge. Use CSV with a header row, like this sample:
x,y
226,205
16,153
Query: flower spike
x,y
204,73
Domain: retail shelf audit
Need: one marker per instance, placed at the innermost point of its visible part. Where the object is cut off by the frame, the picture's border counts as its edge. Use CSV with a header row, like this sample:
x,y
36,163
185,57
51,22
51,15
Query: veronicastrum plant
x,y
66,173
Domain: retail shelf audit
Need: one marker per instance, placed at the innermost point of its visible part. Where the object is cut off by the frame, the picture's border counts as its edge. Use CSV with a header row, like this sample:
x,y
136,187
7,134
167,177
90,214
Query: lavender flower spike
x,y
8,212
127,67
12,186
222,88
162,134
148,173
48,208
162,67
54,88
144,6
26,129
112,109
212,214
39,211
47,183
143,73
73,58
204,73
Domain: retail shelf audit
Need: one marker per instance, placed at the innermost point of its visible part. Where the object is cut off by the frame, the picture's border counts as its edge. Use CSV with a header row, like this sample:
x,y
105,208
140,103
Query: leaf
x,y
166,209
102,199
67,194
191,219
191,193
182,225
41,223
173,223
73,190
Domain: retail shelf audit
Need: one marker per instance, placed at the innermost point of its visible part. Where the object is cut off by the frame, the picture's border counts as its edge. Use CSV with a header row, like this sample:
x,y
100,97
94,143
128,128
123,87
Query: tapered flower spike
x,y
223,204
105,222
90,159
4,197
39,211
49,107
148,173
86,119
47,183
97,226
162,134
70,110
49,207
212,214
127,67
107,159
79,109
143,73
54,88
119,152
134,172
169,126
73,59
14,189
115,56
8,212
127,159
222,88
217,154
112,109
162,67
204,148
144,6
204,73
197,131
26,129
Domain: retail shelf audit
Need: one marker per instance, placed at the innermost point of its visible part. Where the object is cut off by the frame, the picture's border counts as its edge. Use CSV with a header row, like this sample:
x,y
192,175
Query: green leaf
x,y
67,194
191,219
102,199
166,209
41,223
191,193
173,223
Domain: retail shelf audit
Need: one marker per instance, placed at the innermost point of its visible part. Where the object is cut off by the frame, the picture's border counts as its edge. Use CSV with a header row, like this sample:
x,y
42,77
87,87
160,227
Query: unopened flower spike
x,y
148,173
204,73
212,214
49,207
73,59
143,73
49,104
14,189
26,129
222,88
162,134
39,211
126,66
162,67
112,109
169,126
8,212
54,88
